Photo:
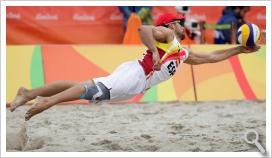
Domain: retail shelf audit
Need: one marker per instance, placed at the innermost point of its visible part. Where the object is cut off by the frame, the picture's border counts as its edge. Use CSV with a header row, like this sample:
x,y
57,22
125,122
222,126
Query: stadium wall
x,y
94,24
241,77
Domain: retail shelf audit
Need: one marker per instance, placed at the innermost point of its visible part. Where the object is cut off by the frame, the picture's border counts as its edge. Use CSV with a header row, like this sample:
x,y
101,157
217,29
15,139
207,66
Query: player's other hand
x,y
248,49
156,61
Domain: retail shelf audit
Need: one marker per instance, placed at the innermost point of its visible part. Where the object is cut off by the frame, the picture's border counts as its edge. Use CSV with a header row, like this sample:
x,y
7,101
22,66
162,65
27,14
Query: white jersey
x,y
172,56
135,77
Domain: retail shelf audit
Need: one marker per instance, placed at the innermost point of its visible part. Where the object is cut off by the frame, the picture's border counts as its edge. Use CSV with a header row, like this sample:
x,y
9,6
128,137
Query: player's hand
x,y
156,61
248,49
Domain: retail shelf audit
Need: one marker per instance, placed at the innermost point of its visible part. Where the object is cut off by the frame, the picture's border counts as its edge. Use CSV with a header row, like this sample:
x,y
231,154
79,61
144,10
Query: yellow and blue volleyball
x,y
248,34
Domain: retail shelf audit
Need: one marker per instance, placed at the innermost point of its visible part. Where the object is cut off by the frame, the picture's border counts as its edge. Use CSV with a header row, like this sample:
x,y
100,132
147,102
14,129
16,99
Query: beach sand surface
x,y
155,127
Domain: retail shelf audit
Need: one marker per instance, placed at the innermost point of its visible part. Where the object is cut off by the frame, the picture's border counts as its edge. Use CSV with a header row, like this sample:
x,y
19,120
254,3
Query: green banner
x,y
219,27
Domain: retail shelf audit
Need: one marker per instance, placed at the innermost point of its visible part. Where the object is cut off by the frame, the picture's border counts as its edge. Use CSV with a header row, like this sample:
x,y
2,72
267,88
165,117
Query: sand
x,y
176,126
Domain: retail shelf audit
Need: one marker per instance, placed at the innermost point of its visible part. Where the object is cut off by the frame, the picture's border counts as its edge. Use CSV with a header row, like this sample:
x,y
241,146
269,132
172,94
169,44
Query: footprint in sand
x,y
109,145
146,136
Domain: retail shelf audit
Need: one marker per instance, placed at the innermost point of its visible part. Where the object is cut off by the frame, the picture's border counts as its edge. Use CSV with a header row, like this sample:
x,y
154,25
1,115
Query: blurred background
x,y
106,25
45,44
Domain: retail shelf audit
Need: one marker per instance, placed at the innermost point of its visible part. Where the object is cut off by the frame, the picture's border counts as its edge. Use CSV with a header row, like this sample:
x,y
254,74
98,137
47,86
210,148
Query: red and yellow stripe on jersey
x,y
167,51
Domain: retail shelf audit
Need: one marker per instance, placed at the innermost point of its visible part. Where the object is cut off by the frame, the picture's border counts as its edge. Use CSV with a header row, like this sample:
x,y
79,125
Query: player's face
x,y
179,29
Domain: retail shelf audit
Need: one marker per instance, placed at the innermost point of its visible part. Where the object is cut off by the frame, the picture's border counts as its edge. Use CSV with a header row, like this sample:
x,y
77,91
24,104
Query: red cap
x,y
167,18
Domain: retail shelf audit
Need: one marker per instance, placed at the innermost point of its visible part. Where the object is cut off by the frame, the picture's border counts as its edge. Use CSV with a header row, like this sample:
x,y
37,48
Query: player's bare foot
x,y
39,106
20,99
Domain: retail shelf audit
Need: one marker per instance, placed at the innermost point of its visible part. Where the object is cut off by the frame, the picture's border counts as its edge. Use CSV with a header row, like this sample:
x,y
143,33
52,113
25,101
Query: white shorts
x,y
126,81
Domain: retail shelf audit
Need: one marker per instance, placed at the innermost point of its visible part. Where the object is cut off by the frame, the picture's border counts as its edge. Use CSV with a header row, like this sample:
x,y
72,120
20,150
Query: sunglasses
x,y
181,22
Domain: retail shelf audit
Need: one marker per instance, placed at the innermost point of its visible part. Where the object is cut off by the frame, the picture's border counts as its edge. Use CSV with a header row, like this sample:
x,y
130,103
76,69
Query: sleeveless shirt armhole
x,y
187,52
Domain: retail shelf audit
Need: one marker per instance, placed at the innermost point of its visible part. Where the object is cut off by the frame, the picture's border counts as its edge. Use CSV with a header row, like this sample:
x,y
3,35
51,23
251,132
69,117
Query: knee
x,y
80,88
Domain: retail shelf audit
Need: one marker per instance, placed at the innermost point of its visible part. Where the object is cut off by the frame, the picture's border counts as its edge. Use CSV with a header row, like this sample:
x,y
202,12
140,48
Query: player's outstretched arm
x,y
218,55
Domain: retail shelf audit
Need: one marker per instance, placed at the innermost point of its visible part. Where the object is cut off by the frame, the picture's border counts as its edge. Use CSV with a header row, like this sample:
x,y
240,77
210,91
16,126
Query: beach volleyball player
x,y
160,62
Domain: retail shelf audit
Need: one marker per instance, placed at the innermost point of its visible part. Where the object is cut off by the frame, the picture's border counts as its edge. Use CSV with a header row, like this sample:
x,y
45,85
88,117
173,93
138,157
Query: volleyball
x,y
248,34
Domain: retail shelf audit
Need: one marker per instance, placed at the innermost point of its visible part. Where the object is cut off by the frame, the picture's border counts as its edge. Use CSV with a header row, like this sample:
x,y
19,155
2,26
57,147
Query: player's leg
x,y
87,90
24,95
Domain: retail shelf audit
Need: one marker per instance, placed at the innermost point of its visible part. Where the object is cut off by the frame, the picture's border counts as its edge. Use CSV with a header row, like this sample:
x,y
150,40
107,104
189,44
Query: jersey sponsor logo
x,y
171,68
